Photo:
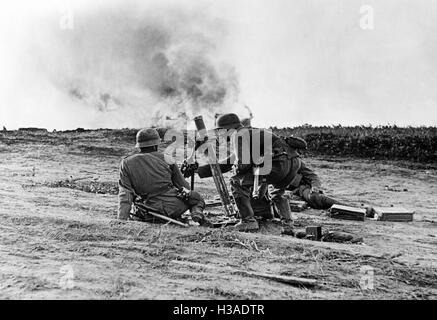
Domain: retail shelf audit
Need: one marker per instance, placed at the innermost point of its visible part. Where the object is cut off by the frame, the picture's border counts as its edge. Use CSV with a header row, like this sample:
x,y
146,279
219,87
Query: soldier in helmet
x,y
306,185
250,148
157,180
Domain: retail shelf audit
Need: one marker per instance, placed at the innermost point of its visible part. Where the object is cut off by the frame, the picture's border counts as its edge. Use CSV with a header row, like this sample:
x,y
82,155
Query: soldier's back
x,y
148,172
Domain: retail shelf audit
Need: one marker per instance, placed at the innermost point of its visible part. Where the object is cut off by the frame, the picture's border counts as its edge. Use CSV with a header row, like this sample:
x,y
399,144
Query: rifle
x,y
217,174
141,210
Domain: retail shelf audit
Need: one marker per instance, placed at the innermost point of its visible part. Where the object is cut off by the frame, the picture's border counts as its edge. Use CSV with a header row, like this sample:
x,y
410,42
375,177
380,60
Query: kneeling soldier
x,y
251,148
307,185
158,183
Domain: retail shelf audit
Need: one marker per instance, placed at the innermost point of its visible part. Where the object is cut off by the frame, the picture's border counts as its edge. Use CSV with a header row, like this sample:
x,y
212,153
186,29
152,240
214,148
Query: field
x,y
60,238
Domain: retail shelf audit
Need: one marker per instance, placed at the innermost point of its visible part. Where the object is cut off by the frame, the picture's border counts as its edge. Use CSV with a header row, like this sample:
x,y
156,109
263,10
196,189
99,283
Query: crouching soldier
x,y
253,148
158,182
306,184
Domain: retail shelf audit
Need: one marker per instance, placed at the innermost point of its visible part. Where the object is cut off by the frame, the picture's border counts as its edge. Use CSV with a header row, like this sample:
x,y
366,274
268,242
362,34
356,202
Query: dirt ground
x,y
60,239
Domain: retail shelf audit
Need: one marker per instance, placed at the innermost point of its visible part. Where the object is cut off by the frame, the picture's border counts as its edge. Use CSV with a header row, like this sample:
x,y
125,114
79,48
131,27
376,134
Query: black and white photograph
x,y
227,152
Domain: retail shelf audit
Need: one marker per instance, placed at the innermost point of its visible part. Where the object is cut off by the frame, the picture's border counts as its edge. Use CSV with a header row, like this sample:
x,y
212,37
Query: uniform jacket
x,y
287,167
304,176
147,175
248,148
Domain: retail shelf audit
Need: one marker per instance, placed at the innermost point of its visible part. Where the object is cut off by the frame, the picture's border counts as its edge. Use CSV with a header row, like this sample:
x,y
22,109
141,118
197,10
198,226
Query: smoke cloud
x,y
129,65
136,63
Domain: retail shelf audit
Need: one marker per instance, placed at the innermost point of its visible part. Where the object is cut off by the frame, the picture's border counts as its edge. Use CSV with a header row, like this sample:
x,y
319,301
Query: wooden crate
x,y
393,214
347,213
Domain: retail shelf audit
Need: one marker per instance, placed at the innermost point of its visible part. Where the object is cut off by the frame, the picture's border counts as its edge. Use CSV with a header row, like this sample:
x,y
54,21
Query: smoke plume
x,y
125,65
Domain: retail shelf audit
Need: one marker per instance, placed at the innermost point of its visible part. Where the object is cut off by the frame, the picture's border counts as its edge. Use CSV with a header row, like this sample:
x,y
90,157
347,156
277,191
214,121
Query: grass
x,y
384,142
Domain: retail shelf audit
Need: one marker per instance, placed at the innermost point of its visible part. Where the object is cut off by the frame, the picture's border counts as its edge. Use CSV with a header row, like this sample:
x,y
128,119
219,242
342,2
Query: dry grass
x,y
50,218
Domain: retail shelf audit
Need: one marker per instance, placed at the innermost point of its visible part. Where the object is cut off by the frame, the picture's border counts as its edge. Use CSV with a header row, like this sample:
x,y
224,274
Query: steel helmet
x,y
147,138
228,121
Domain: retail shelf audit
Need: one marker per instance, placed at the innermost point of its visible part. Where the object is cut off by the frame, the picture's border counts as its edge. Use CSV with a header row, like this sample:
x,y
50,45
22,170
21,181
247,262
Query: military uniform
x,y
303,184
283,164
150,176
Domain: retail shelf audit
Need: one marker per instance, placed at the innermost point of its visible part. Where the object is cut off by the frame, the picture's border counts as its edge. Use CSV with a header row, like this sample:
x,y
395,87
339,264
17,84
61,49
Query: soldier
x,y
306,184
283,163
158,181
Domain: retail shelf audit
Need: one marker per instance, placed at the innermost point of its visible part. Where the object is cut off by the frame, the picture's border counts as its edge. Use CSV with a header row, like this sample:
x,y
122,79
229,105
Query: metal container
x,y
314,232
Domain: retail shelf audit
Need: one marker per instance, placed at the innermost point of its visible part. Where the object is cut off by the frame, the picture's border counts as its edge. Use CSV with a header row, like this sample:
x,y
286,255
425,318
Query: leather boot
x,y
287,227
370,212
283,208
248,221
199,217
328,202
320,201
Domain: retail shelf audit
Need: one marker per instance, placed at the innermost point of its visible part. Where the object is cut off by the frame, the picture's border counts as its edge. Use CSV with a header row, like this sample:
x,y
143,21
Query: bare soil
x,y
58,207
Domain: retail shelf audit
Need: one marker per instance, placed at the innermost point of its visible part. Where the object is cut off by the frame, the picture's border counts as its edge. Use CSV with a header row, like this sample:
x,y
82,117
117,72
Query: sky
x,y
292,62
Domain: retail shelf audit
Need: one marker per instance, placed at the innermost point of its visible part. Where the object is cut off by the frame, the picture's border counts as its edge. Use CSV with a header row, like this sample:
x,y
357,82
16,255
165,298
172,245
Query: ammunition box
x,y
314,232
393,214
347,213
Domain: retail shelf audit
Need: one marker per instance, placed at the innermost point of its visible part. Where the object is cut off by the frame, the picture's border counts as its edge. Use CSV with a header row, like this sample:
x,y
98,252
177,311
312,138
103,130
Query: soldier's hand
x,y
188,170
193,168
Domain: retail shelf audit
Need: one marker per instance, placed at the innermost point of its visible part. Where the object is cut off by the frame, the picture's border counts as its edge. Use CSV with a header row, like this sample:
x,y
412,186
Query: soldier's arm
x,y
125,195
225,166
205,171
310,176
177,178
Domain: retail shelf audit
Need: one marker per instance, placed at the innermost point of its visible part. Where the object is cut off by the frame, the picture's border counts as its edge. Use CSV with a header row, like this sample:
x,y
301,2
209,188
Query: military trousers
x,y
242,186
314,199
171,205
